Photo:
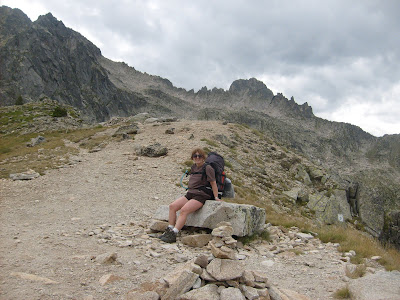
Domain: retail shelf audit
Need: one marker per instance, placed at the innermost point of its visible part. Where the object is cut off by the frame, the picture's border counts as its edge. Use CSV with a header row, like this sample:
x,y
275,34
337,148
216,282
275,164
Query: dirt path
x,y
54,226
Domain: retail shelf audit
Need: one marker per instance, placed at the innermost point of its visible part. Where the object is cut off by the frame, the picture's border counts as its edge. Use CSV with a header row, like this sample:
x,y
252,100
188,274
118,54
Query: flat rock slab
x,y
379,286
28,175
245,219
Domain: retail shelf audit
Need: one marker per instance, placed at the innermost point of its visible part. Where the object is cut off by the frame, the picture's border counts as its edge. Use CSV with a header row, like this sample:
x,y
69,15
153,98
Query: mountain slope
x,y
44,59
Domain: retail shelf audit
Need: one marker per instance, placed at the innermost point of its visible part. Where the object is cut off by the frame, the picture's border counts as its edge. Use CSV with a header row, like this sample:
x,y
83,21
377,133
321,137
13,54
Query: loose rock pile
x,y
220,276
214,265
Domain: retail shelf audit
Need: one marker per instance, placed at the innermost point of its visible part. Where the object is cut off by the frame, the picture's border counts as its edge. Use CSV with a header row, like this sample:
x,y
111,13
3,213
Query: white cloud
x,y
31,8
377,118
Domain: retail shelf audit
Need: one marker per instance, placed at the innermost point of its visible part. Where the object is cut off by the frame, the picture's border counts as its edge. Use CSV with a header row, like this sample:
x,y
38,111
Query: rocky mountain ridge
x,y
45,59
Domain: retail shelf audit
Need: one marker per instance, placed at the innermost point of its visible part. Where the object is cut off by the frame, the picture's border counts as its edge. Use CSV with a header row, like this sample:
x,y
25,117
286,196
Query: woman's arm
x,y
215,190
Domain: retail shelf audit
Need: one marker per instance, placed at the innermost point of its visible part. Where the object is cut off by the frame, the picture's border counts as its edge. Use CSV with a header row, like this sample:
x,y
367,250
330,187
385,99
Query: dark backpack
x,y
217,162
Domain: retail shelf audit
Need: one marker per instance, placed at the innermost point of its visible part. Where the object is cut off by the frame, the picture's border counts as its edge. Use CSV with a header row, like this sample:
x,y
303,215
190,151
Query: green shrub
x,y
59,112
19,100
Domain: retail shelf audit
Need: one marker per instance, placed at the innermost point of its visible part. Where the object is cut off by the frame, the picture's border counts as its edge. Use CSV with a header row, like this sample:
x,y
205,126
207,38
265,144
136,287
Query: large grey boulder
x,y
379,286
245,219
154,150
302,175
127,129
330,210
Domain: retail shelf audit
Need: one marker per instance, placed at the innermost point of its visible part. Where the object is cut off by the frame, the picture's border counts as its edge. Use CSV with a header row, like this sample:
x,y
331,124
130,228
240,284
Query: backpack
x,y
217,162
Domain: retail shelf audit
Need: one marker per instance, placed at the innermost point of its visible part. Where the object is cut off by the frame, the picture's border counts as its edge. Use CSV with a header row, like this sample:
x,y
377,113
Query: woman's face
x,y
197,158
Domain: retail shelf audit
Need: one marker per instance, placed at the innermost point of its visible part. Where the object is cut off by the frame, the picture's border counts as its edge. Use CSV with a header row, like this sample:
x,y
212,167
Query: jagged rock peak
x,y
59,30
252,86
12,21
48,20
307,109
51,23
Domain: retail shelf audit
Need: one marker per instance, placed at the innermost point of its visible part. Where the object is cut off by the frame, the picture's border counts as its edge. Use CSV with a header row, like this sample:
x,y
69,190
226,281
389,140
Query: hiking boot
x,y
168,236
168,229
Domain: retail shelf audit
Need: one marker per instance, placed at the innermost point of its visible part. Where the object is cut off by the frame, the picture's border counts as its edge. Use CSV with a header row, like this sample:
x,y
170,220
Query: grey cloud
x,y
332,50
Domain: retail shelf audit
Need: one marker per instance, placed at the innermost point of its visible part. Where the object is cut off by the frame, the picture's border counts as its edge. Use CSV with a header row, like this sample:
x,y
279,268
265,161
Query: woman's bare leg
x,y
190,207
174,207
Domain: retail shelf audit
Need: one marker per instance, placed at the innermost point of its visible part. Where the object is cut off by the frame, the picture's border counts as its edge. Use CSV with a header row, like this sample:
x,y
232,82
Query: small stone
x,y
376,257
33,277
231,293
201,260
249,292
197,240
108,278
260,276
225,269
157,225
106,258
268,263
222,231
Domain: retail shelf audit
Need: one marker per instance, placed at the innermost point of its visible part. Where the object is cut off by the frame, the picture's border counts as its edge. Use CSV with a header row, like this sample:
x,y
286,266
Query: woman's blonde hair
x,y
199,151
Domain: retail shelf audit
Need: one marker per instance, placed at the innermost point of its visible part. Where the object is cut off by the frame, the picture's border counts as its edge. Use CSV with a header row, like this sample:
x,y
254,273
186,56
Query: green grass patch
x,y
264,235
188,163
359,271
228,164
210,142
364,245
297,251
257,133
16,157
343,293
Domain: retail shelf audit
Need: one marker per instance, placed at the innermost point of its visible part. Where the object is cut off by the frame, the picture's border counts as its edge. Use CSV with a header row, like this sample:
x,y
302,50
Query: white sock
x,y
171,226
175,230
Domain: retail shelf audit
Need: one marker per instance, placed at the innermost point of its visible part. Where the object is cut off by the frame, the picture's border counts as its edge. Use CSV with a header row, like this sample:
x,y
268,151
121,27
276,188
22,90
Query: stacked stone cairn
x,y
223,245
220,276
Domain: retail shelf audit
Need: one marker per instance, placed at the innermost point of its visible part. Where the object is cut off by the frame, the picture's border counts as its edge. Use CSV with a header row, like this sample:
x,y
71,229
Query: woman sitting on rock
x,y
195,197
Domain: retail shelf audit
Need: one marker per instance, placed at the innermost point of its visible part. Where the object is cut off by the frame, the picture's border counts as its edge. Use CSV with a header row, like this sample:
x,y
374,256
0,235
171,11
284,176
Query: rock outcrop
x,y
330,209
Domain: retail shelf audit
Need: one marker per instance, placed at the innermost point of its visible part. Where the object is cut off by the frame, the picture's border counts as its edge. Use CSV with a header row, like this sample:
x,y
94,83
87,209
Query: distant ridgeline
x,y
44,59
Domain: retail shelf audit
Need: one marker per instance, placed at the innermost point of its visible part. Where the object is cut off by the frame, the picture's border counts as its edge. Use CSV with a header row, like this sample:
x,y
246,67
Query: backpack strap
x,y
202,172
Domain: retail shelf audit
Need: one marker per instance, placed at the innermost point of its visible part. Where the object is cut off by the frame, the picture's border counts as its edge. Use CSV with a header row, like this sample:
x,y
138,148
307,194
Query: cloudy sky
x,y
342,57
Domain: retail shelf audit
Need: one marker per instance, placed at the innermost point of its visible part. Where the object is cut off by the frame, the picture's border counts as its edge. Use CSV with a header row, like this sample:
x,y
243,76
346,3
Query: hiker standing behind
x,y
196,195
